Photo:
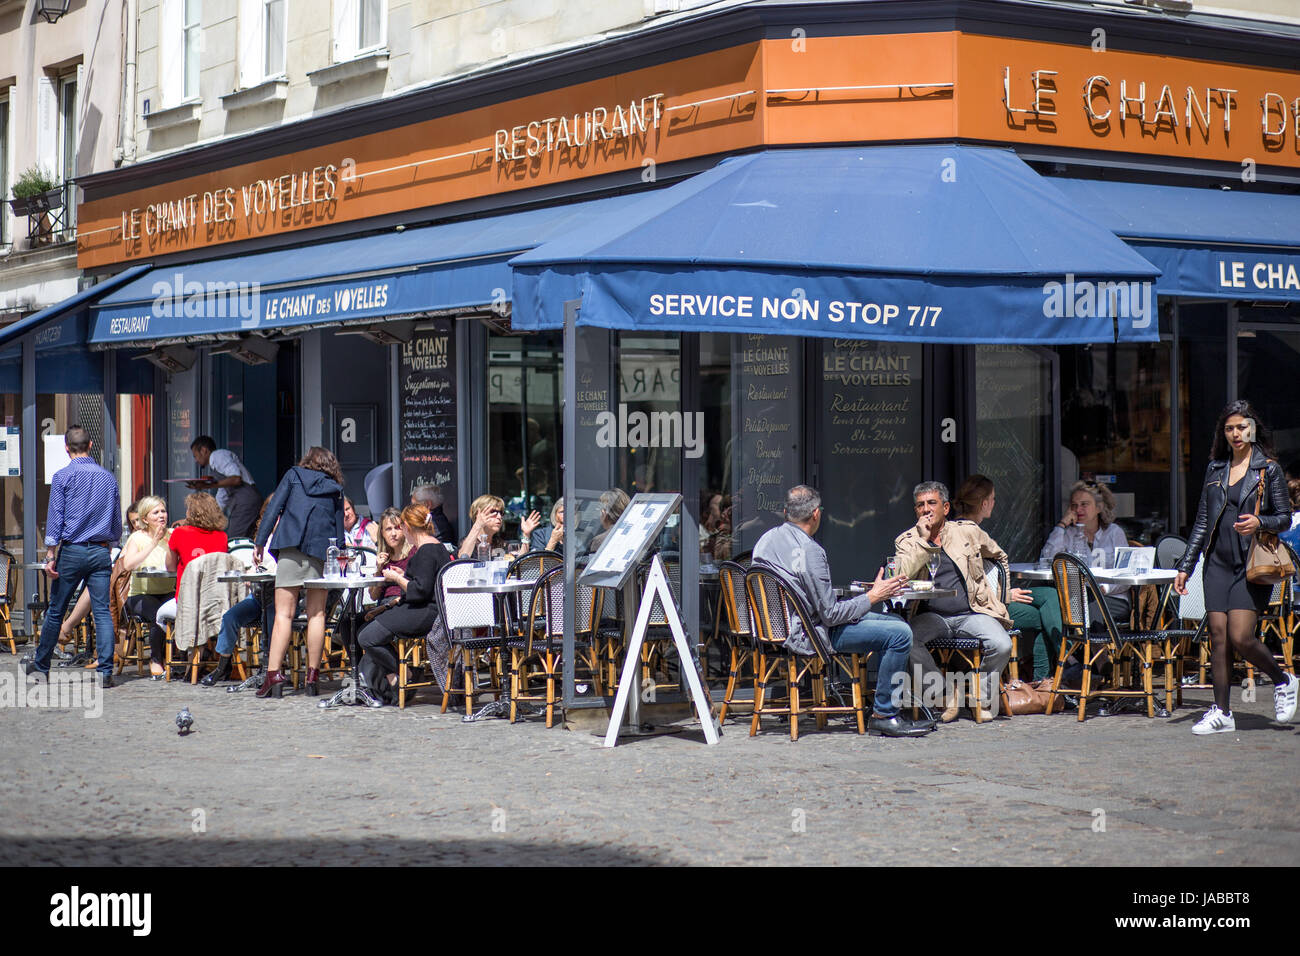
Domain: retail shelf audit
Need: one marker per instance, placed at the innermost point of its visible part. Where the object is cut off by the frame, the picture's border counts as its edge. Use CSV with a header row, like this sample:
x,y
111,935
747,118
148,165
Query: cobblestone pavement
x,y
284,782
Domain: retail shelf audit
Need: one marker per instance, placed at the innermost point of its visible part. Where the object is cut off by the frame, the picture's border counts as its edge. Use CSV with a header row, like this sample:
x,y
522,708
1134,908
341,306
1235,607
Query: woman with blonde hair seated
x,y
487,517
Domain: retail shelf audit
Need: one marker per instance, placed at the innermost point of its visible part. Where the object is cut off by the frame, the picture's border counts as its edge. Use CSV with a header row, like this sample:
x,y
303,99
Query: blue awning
x,y
912,243
60,335
447,267
1215,243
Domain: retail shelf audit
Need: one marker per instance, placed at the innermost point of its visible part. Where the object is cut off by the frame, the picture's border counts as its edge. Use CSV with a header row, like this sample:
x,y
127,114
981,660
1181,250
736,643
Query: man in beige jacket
x,y
975,611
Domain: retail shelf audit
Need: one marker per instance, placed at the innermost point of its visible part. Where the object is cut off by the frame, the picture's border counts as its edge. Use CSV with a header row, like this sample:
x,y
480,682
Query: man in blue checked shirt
x,y
83,524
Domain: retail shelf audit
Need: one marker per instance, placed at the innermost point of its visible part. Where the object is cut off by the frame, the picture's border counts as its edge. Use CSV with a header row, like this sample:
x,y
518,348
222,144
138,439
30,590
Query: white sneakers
x,y
1284,699
1215,721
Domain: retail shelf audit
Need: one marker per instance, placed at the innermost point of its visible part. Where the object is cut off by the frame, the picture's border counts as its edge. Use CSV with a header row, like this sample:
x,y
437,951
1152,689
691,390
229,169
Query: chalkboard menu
x,y
427,397
870,450
768,460
1013,414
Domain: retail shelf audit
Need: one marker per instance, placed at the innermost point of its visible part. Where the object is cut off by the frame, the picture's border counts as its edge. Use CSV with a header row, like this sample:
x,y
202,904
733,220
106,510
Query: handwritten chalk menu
x,y
767,459
870,450
427,396
1012,418
637,528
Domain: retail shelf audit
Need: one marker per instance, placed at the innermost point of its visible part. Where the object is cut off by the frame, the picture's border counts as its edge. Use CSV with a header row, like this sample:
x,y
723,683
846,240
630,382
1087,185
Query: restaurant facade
x,y
852,245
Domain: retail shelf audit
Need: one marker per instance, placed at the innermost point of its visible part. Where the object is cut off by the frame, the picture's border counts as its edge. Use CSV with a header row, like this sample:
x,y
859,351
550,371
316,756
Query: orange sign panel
x,y
1085,97
800,90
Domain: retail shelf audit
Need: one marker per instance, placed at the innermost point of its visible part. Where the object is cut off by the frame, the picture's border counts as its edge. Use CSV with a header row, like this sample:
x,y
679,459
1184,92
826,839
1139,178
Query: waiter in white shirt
x,y
236,493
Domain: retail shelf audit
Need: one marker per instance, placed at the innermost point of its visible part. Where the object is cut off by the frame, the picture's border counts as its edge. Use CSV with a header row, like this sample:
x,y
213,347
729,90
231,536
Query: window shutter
x,y
171,54
251,18
47,125
345,30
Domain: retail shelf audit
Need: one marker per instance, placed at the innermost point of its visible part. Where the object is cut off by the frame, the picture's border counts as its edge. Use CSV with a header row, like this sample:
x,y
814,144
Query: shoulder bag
x,y
1268,562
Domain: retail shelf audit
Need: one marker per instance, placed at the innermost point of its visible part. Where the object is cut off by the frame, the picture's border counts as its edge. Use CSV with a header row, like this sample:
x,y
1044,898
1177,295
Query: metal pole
x,y
1232,352
570,491
1175,429
33,549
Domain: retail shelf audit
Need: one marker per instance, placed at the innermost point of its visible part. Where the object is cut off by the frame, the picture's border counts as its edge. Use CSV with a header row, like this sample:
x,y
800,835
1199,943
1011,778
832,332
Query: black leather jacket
x,y
1274,510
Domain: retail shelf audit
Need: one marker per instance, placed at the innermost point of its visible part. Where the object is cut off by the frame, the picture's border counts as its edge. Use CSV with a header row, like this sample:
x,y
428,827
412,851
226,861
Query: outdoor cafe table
x,y
352,693
265,581
902,596
1032,572
501,593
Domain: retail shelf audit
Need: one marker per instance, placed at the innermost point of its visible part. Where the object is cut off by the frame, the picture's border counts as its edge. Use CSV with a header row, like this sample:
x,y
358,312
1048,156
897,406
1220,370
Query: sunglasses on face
x,y
494,512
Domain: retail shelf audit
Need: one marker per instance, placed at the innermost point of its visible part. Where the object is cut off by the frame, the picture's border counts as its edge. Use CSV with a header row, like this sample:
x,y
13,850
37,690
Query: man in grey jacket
x,y
850,626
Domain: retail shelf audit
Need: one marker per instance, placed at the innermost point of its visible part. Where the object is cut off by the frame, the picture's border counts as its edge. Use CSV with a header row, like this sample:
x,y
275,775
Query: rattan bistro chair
x,y
1074,586
542,641
465,617
740,634
9,572
997,577
772,607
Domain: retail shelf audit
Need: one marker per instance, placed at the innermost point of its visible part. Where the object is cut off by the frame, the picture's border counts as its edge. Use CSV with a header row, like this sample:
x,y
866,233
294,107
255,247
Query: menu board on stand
x,y
427,409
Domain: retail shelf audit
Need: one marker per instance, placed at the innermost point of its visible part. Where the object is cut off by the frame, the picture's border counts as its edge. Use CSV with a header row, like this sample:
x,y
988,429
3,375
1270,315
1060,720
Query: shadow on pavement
x,y
206,850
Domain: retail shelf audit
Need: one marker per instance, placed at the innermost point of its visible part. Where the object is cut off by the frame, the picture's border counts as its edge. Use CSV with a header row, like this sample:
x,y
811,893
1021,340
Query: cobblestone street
x,y
284,782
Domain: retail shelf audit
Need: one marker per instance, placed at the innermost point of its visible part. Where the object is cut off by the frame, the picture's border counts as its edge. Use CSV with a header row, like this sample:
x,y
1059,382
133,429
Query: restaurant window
x,y
1013,423
1115,428
133,422
525,424
1267,359
754,429
869,417
11,482
1203,391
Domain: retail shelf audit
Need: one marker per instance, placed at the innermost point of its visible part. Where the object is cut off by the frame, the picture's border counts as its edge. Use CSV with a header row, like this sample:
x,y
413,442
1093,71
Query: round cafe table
x,y
352,694
501,592
265,581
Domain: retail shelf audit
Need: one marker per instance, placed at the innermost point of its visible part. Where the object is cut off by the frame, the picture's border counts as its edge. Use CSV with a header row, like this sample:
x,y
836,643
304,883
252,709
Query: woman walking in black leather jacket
x,y
1241,472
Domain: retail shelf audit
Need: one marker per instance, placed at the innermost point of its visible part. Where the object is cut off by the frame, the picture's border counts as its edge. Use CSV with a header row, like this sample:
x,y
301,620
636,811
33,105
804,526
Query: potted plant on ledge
x,y
36,195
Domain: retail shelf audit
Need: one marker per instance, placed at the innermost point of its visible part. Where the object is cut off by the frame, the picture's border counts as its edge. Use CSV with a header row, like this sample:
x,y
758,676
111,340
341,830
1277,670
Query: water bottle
x,y
483,553
1079,544
332,559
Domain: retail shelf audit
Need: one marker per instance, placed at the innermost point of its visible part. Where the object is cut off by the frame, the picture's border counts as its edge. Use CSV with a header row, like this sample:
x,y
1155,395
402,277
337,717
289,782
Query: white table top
x,y
488,587
343,584
1032,572
247,577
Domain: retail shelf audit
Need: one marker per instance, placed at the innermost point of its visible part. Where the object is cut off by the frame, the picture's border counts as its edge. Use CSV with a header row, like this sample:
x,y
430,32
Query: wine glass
x,y
933,562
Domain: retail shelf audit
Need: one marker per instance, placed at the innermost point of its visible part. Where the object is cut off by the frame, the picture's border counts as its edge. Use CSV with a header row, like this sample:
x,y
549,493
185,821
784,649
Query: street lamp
x,y
51,10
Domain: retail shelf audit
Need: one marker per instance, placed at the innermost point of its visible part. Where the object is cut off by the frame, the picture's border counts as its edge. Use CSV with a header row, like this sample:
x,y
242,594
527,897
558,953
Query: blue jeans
x,y
244,614
889,637
93,564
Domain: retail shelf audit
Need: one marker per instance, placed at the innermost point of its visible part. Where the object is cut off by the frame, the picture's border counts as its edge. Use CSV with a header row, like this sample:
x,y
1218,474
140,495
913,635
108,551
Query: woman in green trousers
x,y
1035,611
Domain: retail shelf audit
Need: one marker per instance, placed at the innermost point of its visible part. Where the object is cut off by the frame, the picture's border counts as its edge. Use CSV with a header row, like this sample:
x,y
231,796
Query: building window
x,y
68,84
4,168
359,27
273,29
192,34
370,24
180,43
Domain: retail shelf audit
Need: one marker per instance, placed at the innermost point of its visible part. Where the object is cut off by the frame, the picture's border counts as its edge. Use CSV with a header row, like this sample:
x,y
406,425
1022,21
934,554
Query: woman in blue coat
x,y
305,512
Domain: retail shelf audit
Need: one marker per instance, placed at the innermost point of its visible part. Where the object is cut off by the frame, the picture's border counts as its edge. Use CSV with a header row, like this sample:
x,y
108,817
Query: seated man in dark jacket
x,y
848,627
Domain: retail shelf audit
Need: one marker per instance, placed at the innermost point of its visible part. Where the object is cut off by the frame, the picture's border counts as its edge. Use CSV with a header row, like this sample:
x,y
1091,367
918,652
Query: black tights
x,y
1235,631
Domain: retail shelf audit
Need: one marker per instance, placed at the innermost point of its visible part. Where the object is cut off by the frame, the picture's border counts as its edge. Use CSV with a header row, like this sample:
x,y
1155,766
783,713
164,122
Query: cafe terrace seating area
x,y
504,650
